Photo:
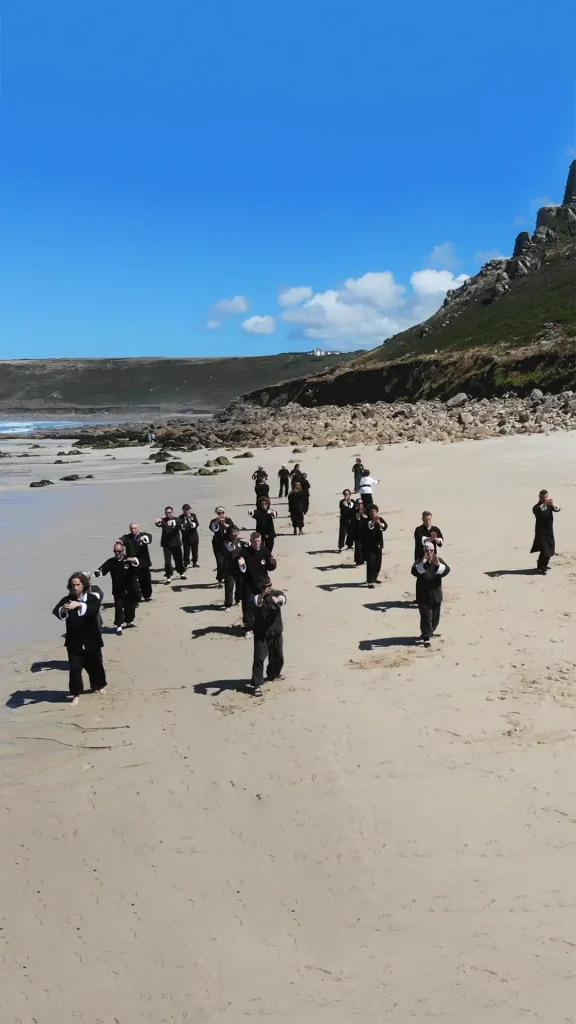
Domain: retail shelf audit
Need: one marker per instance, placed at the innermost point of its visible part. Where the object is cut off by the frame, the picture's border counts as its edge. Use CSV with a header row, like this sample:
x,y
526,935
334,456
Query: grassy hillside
x,y
183,385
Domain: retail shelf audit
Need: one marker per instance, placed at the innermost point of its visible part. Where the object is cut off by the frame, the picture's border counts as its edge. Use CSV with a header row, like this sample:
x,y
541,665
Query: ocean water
x,y
8,427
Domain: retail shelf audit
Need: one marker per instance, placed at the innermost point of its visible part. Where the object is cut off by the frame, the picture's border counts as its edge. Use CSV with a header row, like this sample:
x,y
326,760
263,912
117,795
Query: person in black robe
x,y
429,571
261,485
220,528
358,526
171,544
374,528
305,483
346,527
284,481
137,545
122,570
544,542
426,531
80,611
189,525
296,505
268,635
233,576
255,563
264,518
296,474
358,471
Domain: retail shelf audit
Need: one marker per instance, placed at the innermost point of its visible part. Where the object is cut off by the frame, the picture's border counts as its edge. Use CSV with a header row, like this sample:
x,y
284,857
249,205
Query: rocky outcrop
x,y
570,193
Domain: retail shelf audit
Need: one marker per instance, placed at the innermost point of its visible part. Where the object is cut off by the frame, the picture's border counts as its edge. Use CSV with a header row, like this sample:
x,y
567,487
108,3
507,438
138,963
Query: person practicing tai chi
x,y
426,532
233,576
137,545
171,543
261,485
544,542
268,639
296,474
125,591
305,483
189,525
264,518
358,471
429,571
255,563
80,610
220,528
374,527
346,528
358,528
365,488
283,481
296,506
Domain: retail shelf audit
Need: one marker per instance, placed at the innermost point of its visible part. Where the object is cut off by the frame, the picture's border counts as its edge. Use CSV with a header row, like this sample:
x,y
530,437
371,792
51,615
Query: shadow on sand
x,y
220,685
384,606
22,698
389,641
496,573
232,631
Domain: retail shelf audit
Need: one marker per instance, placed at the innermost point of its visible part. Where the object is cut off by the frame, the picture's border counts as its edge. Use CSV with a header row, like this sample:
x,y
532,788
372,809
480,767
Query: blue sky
x,y
170,166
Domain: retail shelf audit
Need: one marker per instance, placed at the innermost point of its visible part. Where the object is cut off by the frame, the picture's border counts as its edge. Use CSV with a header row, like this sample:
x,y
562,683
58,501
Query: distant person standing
x,y
264,518
268,635
296,506
305,483
429,572
373,544
220,527
284,481
80,611
359,519
125,591
544,542
365,487
261,485
189,525
346,528
171,543
426,531
358,471
233,576
137,545
296,474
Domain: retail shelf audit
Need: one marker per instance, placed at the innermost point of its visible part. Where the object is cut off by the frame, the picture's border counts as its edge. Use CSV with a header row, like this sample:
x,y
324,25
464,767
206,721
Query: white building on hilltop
x,y
322,352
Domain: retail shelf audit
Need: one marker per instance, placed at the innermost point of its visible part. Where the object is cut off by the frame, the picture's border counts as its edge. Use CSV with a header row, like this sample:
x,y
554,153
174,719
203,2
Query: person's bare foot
x,y
74,701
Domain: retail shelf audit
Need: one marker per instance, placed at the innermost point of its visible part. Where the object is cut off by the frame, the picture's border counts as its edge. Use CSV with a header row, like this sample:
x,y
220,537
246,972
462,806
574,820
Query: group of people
x,y
243,569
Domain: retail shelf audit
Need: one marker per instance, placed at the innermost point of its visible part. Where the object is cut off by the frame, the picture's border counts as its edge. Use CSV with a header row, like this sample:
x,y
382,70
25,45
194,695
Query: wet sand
x,y
389,833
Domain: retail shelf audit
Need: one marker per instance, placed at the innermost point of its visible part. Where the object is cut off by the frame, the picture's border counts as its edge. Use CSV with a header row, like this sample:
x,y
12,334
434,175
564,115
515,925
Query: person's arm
x,y
442,569
146,538
133,562
158,523
59,610
418,568
103,570
279,598
271,563
214,525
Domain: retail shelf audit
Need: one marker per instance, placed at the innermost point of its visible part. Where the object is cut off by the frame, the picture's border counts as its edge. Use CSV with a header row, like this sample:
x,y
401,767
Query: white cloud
x,y
484,255
259,324
371,308
443,256
212,325
239,304
292,296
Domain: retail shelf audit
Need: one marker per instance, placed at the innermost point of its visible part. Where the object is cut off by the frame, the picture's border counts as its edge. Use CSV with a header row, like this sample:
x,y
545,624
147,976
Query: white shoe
x,y
119,631
182,576
248,635
167,582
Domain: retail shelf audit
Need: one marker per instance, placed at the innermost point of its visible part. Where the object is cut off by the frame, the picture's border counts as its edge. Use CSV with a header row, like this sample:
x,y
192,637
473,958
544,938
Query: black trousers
x,y
233,587
268,542
91,661
145,583
247,606
220,563
270,648
358,552
368,500
543,561
124,608
346,534
190,547
429,619
373,564
283,492
176,554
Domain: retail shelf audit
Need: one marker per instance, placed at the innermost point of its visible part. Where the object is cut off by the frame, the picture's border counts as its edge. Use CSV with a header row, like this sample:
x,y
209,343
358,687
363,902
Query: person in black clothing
x,y
264,518
137,545
284,479
261,485
171,543
268,640
188,523
544,542
346,528
429,572
358,525
306,488
220,527
80,611
296,474
374,528
358,471
255,563
426,532
122,570
233,576
296,506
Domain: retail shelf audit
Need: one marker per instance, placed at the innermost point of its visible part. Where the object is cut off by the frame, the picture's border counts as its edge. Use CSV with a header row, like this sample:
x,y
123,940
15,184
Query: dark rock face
x,y
570,193
42,483
177,467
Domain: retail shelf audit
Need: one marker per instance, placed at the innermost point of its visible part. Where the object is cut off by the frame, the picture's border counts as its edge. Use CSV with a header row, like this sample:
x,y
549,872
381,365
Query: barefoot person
x,y
426,531
544,542
171,543
264,518
80,611
189,525
296,506
122,570
429,572
268,640
373,544
346,528
137,545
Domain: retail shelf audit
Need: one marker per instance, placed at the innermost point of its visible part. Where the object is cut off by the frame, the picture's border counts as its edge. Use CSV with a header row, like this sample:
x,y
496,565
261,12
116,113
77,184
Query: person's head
x,y
234,535
134,529
265,585
543,495
186,508
168,511
359,505
263,502
119,550
428,549
373,512
347,494
297,486
220,511
358,460
297,467
427,519
283,467
366,472
304,476
255,541
78,584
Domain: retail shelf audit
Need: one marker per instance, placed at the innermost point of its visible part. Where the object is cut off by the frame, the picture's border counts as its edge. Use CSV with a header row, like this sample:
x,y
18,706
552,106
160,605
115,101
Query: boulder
x,y
201,472
222,461
24,455
245,455
298,451
465,418
536,395
458,400
70,477
210,463
177,467
42,483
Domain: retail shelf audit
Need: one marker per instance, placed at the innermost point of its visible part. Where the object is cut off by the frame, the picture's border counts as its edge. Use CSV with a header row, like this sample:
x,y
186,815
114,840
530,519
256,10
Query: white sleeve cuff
x,y
62,613
135,563
420,567
97,573
440,568
82,608
145,540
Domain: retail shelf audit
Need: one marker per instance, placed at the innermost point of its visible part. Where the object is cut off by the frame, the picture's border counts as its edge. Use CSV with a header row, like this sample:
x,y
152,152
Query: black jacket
x,y
82,630
284,475
346,510
544,529
429,582
188,523
232,552
137,546
123,576
220,530
171,537
267,615
373,534
258,565
264,522
422,533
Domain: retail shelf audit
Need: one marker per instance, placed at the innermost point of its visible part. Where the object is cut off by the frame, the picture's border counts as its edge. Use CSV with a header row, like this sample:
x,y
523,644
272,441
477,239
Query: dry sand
x,y
388,834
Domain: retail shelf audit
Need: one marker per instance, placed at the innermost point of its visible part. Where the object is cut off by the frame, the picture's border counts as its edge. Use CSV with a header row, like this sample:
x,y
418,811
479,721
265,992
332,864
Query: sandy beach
x,y
387,834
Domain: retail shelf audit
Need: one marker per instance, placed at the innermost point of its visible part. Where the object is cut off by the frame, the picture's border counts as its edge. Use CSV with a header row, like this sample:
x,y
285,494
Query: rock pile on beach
x,y
460,418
